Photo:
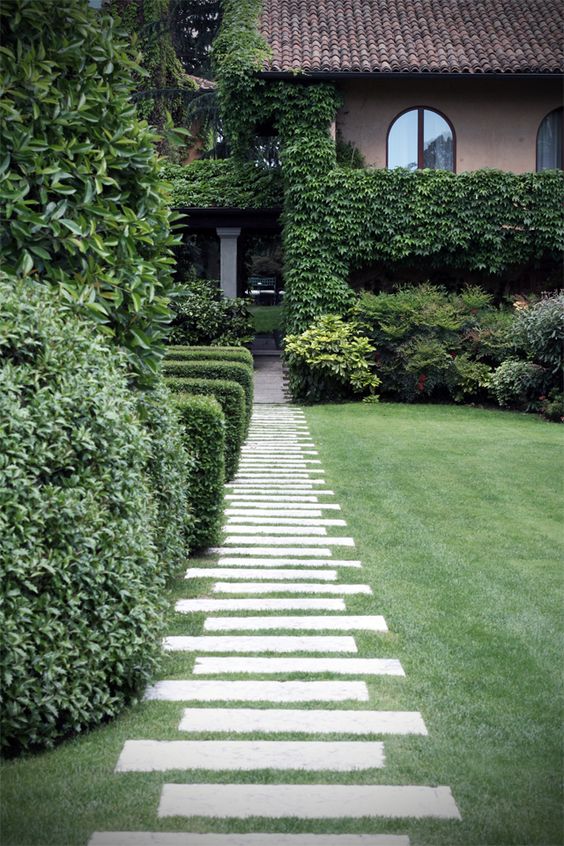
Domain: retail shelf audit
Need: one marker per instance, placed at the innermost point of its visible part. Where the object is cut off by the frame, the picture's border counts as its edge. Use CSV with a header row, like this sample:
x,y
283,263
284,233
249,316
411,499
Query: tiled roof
x,y
438,36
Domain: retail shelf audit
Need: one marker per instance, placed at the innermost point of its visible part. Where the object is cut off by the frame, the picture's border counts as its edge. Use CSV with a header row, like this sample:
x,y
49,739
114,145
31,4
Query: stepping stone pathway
x,y
282,530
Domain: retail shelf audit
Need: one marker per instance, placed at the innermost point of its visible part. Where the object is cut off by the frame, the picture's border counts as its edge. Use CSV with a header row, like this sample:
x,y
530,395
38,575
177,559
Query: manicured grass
x,y
266,318
456,516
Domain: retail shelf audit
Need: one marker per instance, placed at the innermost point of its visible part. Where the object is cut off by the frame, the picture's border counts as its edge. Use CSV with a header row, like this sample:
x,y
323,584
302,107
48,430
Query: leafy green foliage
x,y
552,406
432,343
84,207
169,469
233,371
201,353
330,360
539,332
223,182
80,575
518,384
231,397
202,315
204,438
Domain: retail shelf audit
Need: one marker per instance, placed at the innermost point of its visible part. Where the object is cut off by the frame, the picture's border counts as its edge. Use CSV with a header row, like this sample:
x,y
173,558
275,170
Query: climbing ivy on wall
x,y
223,183
336,218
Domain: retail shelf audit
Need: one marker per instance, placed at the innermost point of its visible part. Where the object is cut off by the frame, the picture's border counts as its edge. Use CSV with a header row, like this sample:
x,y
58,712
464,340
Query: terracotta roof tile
x,y
434,36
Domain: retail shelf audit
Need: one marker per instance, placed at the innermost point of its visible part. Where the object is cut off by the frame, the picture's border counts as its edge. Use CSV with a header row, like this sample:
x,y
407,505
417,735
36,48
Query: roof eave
x,y
306,76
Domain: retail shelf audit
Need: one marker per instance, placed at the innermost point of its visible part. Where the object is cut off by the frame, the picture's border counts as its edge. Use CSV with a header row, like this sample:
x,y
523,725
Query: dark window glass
x,y
421,138
549,141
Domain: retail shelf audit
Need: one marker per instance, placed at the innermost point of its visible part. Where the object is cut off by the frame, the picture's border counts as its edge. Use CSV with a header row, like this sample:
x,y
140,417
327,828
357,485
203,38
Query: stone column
x,y
228,259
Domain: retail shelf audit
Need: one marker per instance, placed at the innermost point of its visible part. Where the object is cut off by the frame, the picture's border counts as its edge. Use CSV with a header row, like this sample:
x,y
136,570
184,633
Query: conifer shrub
x,y
80,574
85,208
233,371
202,353
203,425
231,397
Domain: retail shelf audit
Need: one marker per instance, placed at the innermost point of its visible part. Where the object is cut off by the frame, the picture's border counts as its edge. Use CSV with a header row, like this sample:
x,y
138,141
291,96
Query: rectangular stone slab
x,y
186,690
292,500
197,606
287,562
276,530
281,720
274,518
303,622
277,551
290,540
233,643
181,838
337,756
307,801
342,666
289,587
240,573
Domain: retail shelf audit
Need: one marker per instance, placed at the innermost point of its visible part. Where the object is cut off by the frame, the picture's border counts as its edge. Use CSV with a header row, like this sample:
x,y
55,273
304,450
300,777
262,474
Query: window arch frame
x,y
420,134
557,109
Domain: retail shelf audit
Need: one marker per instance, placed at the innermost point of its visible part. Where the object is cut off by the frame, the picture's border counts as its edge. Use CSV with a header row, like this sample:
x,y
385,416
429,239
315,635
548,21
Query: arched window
x,y
421,138
550,140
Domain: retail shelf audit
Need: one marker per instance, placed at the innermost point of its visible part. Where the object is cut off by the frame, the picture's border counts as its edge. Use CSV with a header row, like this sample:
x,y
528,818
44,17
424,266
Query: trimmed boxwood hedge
x,y
231,397
233,371
203,425
81,581
180,353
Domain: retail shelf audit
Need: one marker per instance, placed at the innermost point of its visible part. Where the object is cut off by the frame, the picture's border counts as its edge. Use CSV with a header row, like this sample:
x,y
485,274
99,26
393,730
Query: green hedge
x,y
203,425
233,371
179,353
81,580
231,397
224,182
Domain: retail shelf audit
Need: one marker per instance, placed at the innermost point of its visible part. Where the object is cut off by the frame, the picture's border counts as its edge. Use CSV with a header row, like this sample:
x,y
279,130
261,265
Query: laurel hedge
x,y
233,371
181,353
81,579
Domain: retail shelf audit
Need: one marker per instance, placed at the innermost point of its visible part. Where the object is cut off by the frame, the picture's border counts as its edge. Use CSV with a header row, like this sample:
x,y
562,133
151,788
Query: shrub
x,y
552,407
202,315
86,210
519,384
231,397
224,182
180,353
81,580
204,436
169,469
539,332
233,371
330,360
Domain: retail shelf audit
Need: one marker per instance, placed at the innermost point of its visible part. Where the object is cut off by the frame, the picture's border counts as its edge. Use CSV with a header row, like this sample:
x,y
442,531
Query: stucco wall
x,y
495,121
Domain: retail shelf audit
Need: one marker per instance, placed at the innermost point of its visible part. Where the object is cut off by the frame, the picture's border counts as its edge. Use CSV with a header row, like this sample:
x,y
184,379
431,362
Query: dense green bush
x,y
330,360
202,315
204,436
432,343
231,397
539,333
517,383
169,470
80,575
84,207
233,371
180,353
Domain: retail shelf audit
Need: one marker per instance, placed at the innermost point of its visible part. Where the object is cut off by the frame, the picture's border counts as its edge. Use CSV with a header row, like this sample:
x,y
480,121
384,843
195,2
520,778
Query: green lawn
x,y
456,515
266,318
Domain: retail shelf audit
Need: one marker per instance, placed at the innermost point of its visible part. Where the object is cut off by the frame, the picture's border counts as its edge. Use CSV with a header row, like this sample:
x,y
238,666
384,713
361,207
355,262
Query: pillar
x,y
228,259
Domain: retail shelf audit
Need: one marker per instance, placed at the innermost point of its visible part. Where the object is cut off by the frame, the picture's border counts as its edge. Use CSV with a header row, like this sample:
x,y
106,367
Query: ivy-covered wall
x,y
338,218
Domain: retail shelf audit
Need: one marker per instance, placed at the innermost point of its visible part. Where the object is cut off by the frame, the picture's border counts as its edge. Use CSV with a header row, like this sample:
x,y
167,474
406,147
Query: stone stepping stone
x,y
275,530
278,551
266,517
342,666
276,487
307,801
274,461
243,755
186,690
282,500
374,623
181,838
290,587
280,721
303,541
197,606
278,474
241,573
203,643
275,562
